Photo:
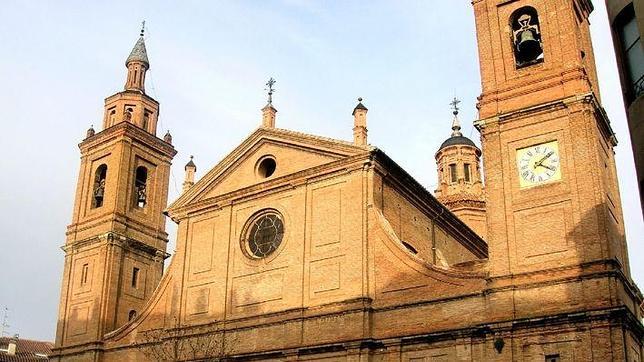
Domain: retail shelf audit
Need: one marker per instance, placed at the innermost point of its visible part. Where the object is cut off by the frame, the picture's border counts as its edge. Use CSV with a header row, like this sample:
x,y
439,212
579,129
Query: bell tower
x,y
116,243
548,148
460,185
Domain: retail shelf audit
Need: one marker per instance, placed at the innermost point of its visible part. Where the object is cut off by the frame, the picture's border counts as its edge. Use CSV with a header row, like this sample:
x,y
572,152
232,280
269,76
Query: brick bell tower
x,y
460,186
116,244
555,229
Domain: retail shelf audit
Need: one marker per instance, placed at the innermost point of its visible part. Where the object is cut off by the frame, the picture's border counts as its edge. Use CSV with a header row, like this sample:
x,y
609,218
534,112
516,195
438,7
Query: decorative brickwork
x,y
369,265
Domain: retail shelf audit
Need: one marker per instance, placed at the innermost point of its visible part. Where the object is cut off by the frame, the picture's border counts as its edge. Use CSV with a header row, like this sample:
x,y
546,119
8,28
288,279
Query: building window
x,y
140,186
146,120
452,173
135,277
131,315
632,52
263,234
409,247
84,272
466,170
98,194
526,37
266,167
552,358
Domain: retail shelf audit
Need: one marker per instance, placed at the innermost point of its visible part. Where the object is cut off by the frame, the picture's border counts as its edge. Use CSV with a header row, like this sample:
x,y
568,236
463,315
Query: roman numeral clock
x,y
538,164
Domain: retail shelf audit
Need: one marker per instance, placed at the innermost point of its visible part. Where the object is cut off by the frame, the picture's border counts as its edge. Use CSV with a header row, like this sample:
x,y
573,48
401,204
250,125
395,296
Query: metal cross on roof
x,y
454,103
142,27
270,90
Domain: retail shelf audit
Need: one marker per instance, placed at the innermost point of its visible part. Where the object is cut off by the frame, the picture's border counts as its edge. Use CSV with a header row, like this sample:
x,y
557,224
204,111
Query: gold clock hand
x,y
543,159
548,167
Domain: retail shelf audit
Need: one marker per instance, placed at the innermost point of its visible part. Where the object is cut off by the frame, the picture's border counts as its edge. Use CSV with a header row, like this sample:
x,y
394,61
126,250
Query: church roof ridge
x,y
321,138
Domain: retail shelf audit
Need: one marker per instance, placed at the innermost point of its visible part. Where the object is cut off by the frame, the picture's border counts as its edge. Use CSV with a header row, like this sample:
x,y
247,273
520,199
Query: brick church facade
x,y
301,247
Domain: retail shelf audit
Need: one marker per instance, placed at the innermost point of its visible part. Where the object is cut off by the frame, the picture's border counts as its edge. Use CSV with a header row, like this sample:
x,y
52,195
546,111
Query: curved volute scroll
x,y
401,274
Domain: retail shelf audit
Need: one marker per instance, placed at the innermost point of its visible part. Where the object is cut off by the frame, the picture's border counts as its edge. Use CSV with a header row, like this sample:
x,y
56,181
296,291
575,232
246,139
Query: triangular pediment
x,y
292,152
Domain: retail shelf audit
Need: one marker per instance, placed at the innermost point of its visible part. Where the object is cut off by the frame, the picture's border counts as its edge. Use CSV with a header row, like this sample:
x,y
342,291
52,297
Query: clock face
x,y
539,164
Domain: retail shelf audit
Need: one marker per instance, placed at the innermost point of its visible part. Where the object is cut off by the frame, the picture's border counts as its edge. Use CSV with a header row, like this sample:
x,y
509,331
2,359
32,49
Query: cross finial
x,y
456,125
454,103
270,90
142,27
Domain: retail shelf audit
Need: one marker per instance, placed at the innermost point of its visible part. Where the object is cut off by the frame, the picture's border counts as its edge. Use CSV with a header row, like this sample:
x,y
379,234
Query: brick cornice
x,y
128,131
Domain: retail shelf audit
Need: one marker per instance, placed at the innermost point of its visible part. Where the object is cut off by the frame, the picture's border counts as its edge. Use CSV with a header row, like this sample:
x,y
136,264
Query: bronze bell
x,y
528,46
140,195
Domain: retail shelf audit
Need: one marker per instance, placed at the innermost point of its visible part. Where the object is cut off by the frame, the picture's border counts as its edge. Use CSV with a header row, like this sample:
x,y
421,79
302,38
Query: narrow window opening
x,y
135,277
632,52
131,315
146,120
452,172
552,358
409,247
98,193
127,115
140,186
112,117
84,272
466,170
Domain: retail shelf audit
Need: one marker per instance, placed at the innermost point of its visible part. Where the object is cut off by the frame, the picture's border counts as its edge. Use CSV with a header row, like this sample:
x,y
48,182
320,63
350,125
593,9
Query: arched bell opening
x,y
100,177
140,186
526,37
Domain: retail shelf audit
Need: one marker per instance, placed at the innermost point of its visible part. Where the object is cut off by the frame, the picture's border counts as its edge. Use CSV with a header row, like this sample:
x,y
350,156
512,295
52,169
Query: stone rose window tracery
x,y
264,234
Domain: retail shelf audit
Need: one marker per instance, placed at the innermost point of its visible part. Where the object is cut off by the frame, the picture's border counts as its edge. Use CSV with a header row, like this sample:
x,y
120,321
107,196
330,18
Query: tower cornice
x,y
125,129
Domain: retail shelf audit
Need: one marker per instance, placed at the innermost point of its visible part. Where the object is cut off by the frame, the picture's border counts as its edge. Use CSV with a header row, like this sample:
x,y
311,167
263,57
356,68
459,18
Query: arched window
x,y
100,176
140,186
112,117
526,37
146,120
131,315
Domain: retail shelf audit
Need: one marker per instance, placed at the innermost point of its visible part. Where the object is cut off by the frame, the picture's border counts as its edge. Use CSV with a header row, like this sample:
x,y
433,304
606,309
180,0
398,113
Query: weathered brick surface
x,y
371,266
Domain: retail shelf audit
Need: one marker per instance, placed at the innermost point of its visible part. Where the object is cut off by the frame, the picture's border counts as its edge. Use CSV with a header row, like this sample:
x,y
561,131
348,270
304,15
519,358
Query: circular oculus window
x,y
266,167
264,234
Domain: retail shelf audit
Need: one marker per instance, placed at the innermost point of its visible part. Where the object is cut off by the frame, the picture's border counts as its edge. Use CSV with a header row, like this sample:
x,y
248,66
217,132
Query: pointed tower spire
x,y
137,65
268,112
456,124
360,124
189,179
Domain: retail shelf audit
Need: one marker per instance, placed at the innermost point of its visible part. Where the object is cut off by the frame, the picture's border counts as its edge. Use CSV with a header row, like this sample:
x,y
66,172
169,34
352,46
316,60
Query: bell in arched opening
x,y
526,33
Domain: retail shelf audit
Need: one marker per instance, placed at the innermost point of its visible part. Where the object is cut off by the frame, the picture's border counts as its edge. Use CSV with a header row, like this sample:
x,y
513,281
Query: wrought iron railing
x,y
638,87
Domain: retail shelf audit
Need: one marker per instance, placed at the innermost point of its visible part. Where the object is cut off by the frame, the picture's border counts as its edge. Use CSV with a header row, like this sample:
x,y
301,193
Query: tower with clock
x,y
548,150
302,247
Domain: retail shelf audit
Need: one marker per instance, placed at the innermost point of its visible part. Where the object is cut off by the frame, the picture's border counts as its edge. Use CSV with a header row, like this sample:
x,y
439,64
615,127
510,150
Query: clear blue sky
x,y
209,62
